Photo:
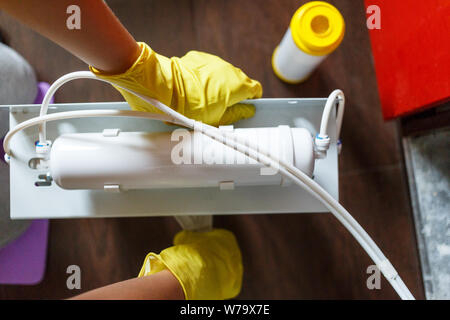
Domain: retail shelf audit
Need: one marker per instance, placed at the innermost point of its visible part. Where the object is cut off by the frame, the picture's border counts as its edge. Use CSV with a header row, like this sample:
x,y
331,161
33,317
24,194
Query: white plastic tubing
x,y
240,144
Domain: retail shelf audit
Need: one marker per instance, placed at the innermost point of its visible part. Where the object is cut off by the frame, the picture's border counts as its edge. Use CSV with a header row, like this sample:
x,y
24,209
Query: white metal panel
x,y
30,202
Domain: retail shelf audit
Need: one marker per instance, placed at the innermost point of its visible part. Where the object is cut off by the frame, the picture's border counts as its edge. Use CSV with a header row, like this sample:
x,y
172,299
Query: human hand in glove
x,y
198,85
208,265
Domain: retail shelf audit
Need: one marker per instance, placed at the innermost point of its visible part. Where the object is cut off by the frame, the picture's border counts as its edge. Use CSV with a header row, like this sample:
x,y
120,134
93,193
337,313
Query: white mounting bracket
x,y
31,202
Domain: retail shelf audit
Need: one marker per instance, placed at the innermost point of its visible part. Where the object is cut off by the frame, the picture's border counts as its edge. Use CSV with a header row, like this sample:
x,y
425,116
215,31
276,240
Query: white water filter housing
x,y
115,160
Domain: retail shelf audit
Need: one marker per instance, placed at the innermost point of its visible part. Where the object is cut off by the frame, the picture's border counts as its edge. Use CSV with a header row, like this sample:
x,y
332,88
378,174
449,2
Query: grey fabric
x,y
17,86
18,83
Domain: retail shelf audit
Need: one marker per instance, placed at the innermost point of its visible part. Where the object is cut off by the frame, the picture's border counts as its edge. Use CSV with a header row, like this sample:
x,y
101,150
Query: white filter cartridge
x,y
316,29
115,160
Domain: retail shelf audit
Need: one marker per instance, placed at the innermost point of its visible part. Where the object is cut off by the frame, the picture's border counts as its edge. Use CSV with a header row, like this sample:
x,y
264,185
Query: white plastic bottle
x,y
316,29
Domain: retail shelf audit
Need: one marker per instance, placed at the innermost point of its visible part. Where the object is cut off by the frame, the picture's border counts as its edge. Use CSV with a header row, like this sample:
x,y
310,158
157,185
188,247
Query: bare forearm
x,y
102,41
159,286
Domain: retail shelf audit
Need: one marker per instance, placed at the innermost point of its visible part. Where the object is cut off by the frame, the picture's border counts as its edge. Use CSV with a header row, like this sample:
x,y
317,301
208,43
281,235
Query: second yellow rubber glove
x,y
208,265
199,85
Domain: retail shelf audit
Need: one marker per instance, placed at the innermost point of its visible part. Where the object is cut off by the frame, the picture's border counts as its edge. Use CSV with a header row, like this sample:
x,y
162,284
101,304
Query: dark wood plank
x,y
285,256
427,120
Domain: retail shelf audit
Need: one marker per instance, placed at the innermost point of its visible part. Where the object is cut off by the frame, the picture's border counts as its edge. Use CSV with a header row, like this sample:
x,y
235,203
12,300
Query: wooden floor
x,y
289,256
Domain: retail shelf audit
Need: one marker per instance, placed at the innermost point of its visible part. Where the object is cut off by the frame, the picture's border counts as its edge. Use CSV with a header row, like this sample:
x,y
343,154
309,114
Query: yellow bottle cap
x,y
317,28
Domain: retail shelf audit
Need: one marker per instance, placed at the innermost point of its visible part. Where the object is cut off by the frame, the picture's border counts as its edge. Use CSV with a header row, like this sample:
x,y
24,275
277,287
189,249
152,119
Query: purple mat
x,y
42,89
23,260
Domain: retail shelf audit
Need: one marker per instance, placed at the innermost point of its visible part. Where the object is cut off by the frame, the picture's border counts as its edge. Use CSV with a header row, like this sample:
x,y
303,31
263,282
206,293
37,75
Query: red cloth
x,y
412,54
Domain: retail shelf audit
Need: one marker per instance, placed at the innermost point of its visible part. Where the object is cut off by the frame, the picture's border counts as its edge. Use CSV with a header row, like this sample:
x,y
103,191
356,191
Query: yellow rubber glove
x,y
199,85
208,265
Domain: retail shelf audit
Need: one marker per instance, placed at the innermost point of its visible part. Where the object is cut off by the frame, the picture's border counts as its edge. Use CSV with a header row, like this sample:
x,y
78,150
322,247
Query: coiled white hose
x,y
242,145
